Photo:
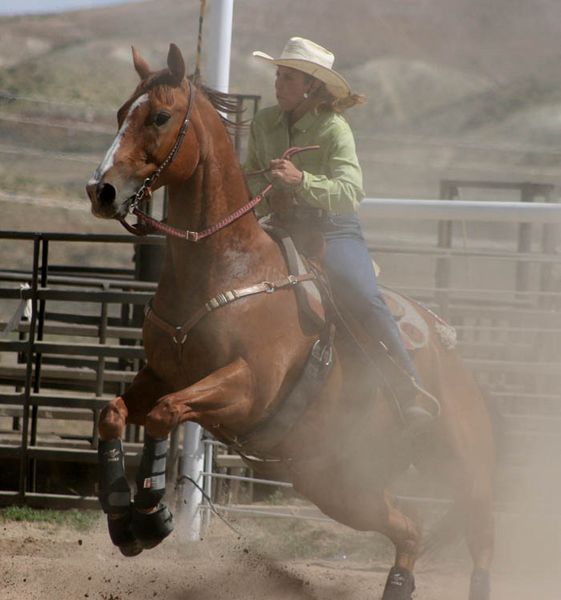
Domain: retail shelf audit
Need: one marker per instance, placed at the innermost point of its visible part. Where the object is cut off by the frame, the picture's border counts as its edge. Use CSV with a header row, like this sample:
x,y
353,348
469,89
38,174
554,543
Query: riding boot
x,y
417,406
412,400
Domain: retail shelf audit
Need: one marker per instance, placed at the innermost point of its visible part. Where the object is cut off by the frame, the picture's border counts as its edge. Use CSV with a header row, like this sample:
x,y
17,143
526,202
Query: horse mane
x,y
225,104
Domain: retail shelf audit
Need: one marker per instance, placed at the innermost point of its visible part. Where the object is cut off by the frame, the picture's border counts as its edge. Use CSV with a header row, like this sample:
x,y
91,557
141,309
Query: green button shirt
x,y
332,175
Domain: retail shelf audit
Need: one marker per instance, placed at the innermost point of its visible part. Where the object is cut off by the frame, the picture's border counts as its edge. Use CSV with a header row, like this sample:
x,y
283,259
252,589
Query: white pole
x,y
190,496
219,37
207,484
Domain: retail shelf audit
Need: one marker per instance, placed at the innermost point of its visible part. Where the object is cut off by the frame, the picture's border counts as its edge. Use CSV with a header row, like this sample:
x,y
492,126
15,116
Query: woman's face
x,y
290,87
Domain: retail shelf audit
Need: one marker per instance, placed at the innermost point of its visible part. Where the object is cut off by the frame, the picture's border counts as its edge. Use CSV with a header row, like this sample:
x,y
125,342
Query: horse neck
x,y
215,190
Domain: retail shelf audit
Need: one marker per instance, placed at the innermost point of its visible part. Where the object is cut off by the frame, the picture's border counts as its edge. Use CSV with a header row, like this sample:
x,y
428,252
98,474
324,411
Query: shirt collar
x,y
303,123
306,121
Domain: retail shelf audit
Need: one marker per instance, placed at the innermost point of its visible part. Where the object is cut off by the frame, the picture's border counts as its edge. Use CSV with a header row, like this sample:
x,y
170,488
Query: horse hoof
x,y
480,585
132,549
400,585
152,528
121,534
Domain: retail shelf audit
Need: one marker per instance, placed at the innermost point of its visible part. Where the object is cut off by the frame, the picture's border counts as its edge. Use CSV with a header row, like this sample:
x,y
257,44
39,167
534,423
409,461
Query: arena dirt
x,y
56,563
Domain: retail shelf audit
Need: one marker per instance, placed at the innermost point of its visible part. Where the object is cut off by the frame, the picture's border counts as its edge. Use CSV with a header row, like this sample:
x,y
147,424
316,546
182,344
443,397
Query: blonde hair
x,y
328,102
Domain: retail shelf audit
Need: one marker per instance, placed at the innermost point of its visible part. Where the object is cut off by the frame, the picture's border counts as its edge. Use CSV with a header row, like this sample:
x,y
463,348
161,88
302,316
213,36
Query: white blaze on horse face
x,y
109,159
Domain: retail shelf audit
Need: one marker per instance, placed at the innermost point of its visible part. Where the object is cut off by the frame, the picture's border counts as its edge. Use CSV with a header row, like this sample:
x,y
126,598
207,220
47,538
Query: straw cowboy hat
x,y
313,59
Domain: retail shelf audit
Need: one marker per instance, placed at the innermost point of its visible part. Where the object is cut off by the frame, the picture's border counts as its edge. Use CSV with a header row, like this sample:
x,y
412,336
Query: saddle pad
x,y
413,328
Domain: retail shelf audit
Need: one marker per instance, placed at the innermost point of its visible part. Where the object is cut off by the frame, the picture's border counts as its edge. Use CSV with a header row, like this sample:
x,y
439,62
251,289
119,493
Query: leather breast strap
x,y
179,333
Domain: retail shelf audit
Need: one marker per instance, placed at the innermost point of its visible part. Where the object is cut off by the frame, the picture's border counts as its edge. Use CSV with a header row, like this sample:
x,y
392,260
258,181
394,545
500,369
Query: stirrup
x,y
417,420
428,396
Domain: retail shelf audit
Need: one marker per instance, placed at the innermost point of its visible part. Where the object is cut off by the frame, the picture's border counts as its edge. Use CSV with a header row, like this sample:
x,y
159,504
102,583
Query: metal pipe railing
x,y
372,209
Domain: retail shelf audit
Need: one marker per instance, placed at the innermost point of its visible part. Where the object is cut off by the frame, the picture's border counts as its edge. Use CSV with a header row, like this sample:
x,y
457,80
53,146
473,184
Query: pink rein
x,y
150,225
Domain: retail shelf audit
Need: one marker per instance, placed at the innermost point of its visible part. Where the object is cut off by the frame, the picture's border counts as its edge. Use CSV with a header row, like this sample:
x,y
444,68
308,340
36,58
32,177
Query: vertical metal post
x,y
207,483
23,474
219,35
550,239
100,374
189,493
237,136
442,269
38,360
524,242
545,343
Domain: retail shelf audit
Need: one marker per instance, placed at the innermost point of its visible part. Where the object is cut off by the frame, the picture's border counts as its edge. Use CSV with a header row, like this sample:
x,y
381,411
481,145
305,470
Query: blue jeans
x,y
353,281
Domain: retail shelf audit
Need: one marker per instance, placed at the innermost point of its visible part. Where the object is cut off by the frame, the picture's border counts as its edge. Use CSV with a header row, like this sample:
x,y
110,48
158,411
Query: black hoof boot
x,y
121,534
480,585
152,528
400,585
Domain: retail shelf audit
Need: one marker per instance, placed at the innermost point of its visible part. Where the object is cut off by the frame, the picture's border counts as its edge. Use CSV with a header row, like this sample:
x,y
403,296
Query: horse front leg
x,y
222,397
113,489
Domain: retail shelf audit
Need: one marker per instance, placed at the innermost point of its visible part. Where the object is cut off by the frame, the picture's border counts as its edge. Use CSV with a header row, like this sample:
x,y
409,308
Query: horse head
x,y
151,126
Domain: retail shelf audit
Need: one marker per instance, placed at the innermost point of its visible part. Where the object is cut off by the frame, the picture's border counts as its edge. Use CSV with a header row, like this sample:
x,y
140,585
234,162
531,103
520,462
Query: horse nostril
x,y
106,193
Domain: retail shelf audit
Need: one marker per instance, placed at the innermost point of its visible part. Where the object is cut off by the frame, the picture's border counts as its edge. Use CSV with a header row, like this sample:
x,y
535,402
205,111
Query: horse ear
x,y
176,64
140,65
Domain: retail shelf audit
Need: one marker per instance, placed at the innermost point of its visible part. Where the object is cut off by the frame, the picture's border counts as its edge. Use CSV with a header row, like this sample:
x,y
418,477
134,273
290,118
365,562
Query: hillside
x,y
456,88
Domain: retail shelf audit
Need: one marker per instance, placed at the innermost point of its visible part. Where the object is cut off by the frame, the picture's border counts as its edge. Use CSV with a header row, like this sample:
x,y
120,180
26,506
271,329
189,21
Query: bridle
x,y
144,192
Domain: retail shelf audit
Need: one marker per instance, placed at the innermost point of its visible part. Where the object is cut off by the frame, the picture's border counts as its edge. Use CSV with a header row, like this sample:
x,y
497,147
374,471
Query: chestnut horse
x,y
228,369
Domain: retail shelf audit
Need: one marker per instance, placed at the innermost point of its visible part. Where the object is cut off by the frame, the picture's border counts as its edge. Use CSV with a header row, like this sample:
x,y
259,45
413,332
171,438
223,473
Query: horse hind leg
x,y
377,511
480,540
406,536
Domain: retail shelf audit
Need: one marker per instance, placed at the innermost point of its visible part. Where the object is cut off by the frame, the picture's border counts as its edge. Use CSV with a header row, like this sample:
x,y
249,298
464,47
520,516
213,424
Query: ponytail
x,y
327,102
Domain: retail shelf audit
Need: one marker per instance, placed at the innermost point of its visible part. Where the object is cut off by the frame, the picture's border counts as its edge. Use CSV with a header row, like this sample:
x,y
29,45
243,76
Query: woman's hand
x,y
284,170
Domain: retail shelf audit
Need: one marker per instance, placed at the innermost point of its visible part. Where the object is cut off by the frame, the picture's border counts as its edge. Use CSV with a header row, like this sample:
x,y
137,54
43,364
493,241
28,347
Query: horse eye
x,y
161,118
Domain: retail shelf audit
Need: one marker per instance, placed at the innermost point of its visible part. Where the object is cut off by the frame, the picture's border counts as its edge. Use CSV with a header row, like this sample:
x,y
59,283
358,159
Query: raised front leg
x,y
222,399
133,406
114,491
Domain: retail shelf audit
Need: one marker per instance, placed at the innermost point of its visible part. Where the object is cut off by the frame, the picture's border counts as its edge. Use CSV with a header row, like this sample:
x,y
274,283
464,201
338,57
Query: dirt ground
x,y
39,561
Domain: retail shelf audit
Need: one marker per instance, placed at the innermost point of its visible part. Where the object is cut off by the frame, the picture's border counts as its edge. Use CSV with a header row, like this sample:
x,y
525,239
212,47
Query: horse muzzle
x,y
103,197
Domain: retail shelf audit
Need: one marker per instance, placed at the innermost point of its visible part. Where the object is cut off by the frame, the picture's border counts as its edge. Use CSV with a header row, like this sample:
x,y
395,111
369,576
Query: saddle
x,y
314,296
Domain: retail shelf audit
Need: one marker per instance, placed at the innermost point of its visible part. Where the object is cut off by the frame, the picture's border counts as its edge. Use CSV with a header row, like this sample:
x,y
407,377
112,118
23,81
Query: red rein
x,y
150,225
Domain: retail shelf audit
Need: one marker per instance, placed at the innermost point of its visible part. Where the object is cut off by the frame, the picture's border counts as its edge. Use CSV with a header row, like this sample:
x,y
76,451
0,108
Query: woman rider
x,y
323,188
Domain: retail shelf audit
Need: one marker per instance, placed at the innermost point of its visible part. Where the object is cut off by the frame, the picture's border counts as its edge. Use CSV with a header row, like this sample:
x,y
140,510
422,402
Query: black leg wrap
x,y
151,528
114,491
480,585
151,476
400,585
